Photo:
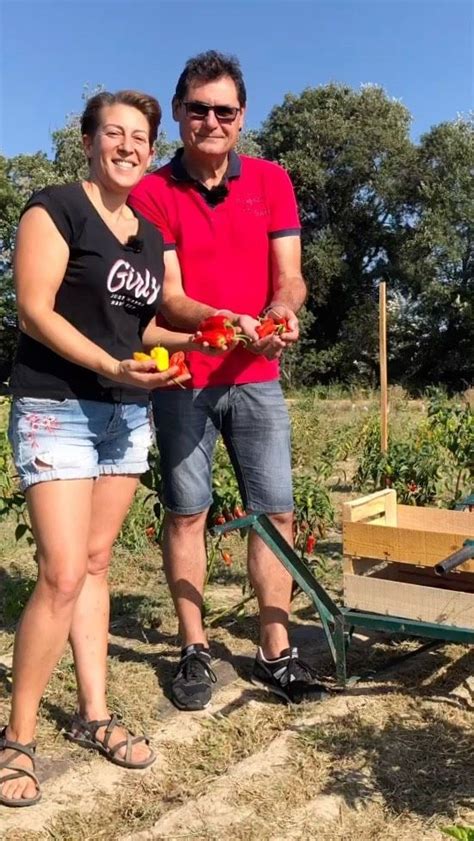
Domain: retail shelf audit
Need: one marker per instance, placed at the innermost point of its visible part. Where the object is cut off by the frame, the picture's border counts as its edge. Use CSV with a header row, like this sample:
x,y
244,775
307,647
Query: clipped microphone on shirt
x,y
134,244
217,194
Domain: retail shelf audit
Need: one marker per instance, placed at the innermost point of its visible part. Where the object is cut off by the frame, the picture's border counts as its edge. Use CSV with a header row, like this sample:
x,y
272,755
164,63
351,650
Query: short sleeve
x,y
284,218
145,198
59,213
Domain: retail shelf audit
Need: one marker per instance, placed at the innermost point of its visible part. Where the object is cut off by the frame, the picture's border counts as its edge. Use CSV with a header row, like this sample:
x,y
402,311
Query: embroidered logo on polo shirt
x,y
254,206
125,278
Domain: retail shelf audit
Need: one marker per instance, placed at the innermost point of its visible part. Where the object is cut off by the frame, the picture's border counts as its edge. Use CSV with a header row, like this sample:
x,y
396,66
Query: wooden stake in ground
x,y
383,367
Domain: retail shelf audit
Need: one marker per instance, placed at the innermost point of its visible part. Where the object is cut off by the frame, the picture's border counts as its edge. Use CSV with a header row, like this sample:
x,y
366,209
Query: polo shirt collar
x,y
179,173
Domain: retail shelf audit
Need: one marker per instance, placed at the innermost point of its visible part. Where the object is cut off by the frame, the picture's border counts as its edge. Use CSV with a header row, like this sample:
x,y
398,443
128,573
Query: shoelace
x,y
193,664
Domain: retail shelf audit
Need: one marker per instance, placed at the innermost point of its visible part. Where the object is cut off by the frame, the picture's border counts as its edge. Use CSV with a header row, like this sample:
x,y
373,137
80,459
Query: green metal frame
x,y
339,622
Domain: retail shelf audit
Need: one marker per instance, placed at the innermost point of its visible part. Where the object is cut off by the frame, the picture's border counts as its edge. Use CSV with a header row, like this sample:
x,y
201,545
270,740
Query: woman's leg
x,y
112,497
60,513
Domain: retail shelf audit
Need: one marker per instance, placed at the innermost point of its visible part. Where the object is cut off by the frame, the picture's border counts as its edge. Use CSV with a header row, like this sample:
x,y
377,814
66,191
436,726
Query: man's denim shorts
x,y
254,423
77,439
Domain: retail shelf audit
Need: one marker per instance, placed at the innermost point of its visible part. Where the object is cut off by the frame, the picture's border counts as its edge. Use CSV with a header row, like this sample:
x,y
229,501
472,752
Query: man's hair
x,y
148,105
207,67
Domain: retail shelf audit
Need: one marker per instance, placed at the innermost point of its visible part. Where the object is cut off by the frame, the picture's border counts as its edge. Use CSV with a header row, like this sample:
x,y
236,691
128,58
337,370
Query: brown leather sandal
x,y
84,733
7,764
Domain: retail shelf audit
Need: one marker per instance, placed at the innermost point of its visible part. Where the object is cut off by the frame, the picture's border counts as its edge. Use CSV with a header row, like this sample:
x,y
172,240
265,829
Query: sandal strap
x,y
7,744
111,725
129,742
19,772
90,728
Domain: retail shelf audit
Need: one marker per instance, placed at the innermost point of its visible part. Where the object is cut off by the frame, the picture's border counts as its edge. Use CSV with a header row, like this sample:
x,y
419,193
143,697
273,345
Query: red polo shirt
x,y
222,239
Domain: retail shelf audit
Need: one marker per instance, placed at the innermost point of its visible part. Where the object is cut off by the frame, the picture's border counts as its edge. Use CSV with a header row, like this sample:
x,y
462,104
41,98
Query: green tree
x,y
437,261
248,144
351,160
19,178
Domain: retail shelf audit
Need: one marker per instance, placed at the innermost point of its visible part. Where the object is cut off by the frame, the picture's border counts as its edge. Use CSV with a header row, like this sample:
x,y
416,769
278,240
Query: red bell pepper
x,y
282,325
266,328
214,322
212,338
310,544
178,359
269,325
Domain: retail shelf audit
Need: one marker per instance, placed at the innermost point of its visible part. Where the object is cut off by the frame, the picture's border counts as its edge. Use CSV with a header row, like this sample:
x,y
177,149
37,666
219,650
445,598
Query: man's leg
x,y
184,556
187,430
272,584
257,435
256,432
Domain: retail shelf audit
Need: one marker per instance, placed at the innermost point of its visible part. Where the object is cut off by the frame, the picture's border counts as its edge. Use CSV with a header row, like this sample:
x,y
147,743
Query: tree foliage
x,y
438,260
374,207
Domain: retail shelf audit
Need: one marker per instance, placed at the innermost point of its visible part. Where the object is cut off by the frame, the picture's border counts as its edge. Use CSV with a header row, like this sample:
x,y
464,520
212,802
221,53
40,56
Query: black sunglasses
x,y
200,110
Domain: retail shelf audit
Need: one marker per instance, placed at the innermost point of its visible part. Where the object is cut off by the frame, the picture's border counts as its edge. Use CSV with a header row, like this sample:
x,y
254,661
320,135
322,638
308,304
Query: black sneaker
x,y
288,676
192,687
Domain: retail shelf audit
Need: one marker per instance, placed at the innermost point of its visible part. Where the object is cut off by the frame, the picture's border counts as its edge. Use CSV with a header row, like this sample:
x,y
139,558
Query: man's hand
x,y
273,346
270,346
282,311
245,325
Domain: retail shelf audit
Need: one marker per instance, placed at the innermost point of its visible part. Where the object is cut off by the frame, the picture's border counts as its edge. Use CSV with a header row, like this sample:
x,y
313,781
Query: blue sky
x,y
420,51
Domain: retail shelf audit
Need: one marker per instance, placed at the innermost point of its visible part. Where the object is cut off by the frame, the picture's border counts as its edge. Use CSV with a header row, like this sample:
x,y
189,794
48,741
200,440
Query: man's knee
x,y
282,519
185,524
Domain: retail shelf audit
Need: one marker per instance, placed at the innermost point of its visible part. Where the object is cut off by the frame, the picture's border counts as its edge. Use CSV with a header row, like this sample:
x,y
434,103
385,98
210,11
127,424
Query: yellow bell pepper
x,y
141,357
161,358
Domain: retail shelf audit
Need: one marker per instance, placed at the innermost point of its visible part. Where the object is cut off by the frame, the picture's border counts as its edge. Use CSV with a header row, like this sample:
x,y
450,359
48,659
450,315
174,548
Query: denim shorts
x,y
77,439
254,423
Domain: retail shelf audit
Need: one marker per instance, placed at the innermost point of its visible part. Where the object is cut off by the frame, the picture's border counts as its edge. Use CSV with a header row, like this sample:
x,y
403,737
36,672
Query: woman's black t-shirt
x,y
110,292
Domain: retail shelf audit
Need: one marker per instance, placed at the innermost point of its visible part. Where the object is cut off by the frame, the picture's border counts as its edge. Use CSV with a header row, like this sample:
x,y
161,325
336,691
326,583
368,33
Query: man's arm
x,y
288,286
288,294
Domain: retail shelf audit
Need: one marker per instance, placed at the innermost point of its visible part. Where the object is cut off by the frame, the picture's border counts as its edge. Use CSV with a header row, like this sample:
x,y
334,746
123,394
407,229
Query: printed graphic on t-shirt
x,y
124,278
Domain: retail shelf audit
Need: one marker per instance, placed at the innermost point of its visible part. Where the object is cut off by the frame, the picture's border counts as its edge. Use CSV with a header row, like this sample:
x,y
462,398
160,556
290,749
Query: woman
x,y
88,273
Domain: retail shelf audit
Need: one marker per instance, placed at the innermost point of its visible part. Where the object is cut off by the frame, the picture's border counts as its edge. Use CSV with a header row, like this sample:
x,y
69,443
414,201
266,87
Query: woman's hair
x,y
207,67
148,105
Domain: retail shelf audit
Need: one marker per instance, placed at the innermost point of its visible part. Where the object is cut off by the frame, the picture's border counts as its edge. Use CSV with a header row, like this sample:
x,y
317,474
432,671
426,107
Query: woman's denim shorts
x,y
77,439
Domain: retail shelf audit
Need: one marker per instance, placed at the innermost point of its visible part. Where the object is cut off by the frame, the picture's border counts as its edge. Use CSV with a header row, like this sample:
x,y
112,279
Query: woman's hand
x,y
144,375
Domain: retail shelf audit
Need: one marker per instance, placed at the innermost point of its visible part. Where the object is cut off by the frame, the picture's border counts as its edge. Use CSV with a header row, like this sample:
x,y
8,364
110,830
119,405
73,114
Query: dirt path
x,y
360,766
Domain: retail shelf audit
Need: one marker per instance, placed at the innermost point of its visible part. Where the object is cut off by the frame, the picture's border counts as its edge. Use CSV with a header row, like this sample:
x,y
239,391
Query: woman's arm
x,y
154,335
40,262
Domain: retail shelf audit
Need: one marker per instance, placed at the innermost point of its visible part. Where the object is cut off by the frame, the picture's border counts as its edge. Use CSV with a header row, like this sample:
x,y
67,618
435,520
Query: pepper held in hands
x,y
178,360
217,332
158,355
269,326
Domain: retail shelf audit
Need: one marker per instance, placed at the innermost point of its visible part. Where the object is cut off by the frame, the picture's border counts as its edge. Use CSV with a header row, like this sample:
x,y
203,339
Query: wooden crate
x,y
390,551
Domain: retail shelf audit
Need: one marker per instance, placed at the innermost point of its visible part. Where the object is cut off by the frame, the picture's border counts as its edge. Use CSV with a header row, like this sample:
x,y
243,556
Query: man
x,y
232,244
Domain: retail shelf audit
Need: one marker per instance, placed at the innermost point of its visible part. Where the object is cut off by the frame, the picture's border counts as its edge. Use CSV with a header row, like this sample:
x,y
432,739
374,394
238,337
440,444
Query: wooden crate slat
x,y
409,601
409,574
410,546
436,519
381,504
